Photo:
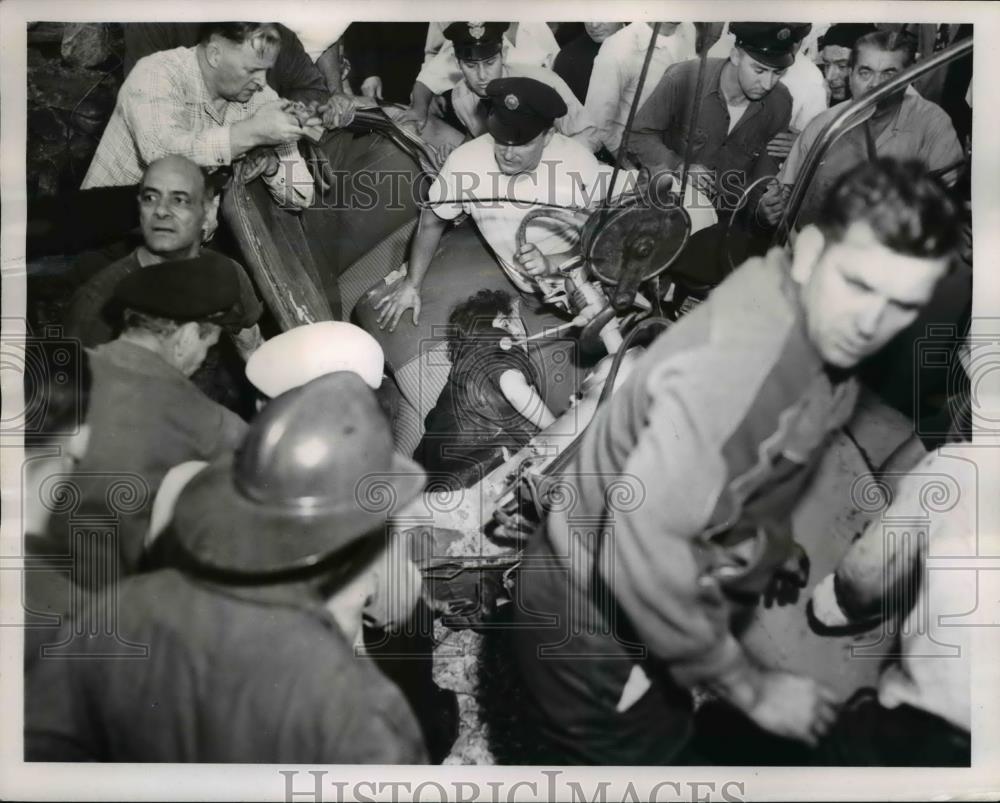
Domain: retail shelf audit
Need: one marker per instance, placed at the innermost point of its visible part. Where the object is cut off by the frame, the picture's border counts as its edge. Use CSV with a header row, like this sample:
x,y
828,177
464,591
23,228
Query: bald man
x,y
177,211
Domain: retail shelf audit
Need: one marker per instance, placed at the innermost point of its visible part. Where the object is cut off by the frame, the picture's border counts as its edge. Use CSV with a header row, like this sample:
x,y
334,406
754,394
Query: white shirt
x,y
616,74
535,45
575,124
736,114
805,82
568,174
316,33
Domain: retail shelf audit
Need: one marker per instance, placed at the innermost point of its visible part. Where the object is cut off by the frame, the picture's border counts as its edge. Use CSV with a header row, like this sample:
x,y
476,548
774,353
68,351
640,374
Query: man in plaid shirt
x,y
211,104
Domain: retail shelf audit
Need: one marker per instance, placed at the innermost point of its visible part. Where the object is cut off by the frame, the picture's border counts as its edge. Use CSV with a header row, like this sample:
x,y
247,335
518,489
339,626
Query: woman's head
x,y
484,319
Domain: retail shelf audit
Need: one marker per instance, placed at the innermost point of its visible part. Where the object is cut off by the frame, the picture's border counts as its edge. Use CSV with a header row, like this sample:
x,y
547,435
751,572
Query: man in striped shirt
x,y
211,104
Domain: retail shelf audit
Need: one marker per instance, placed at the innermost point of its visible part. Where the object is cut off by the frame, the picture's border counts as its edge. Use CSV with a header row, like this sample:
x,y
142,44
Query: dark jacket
x,y
196,672
663,125
145,418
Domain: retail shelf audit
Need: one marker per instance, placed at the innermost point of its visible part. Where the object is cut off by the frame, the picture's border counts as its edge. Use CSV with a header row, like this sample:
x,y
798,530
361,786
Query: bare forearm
x,y
421,98
430,229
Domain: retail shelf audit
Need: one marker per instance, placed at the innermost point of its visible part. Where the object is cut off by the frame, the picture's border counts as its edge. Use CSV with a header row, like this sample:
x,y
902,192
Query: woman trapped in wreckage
x,y
490,405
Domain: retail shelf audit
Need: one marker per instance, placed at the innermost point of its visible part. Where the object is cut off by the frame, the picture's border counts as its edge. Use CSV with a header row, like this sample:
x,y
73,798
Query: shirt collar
x,y
197,80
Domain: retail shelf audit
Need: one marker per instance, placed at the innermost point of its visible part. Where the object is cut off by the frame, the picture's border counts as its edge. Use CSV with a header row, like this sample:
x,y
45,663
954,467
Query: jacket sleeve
x,y
294,75
649,559
652,121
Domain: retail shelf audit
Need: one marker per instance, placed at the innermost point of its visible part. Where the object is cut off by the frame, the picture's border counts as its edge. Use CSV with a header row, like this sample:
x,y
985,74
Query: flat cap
x,y
770,43
476,41
845,34
521,108
203,288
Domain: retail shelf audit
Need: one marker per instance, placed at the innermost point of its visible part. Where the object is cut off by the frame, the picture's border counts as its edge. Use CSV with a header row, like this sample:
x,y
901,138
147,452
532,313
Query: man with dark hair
x,y
251,634
177,211
479,50
711,470
146,415
743,106
209,103
835,48
903,126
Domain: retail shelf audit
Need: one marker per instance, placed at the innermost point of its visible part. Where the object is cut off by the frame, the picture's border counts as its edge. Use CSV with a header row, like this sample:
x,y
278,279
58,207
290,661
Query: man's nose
x,y
769,80
163,208
870,317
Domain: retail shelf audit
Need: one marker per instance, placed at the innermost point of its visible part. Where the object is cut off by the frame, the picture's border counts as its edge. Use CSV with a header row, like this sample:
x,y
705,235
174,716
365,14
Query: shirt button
x,y
220,160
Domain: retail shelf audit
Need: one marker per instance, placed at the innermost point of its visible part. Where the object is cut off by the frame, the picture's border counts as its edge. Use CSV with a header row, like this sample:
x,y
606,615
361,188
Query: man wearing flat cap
x,y
522,160
251,631
146,415
743,106
479,50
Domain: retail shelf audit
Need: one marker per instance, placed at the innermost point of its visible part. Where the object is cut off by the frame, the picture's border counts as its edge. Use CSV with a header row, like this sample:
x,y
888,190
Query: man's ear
x,y
549,134
213,52
806,252
185,338
734,56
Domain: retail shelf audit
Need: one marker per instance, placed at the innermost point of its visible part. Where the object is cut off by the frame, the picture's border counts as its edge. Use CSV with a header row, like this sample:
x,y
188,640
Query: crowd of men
x,y
234,572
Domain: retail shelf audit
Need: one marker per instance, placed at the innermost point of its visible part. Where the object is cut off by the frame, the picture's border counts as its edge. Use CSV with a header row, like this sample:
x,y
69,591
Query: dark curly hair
x,y
470,324
908,209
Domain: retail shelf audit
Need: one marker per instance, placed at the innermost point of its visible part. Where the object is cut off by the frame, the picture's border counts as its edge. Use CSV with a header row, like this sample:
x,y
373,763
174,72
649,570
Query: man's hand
x,y
772,204
789,579
416,116
338,111
440,153
781,145
391,308
274,124
260,161
793,706
371,87
702,179
534,261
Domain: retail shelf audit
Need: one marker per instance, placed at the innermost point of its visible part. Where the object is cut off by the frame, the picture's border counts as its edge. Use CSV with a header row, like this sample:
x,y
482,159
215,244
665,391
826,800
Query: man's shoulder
x,y
159,66
537,72
475,154
923,111
779,98
619,42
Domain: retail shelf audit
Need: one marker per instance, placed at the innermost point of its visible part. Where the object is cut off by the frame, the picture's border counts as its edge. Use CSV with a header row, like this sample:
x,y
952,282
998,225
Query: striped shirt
x,y
164,107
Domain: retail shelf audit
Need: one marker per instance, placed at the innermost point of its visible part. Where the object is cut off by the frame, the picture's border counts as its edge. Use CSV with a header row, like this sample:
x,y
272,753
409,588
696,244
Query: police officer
x,y
479,50
522,160
743,107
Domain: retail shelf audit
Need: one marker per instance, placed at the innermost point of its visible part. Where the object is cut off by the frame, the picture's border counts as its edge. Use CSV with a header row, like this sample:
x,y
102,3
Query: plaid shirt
x,y
164,108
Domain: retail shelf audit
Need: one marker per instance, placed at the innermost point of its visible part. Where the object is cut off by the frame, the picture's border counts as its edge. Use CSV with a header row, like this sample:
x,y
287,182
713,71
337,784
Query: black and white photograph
x,y
398,407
